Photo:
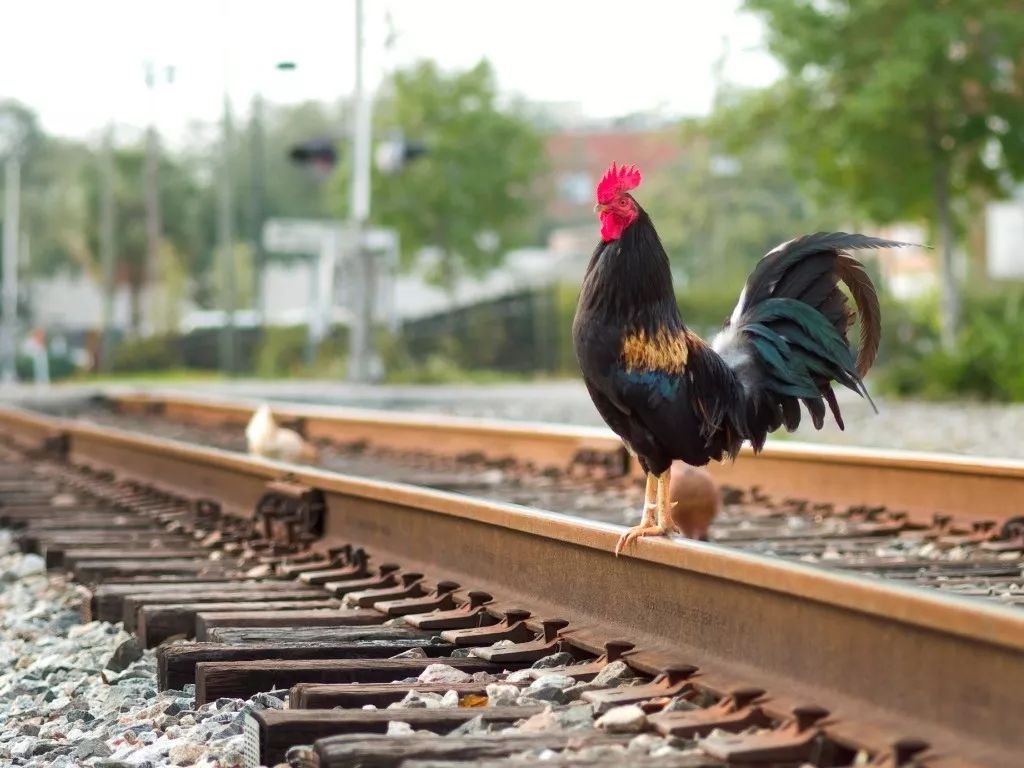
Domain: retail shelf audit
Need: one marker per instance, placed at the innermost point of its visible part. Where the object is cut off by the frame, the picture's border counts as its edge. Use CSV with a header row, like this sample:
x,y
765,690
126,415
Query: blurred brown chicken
x,y
694,500
265,438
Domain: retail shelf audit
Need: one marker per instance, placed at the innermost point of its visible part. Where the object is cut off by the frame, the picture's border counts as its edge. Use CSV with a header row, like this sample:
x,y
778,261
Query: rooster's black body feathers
x,y
669,395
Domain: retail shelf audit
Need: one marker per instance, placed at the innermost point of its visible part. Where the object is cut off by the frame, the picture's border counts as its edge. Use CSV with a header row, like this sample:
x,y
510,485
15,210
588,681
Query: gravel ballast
x,y
76,694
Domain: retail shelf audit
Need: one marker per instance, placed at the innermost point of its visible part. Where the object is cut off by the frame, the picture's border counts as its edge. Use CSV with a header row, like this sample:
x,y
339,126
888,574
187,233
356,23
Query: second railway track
x,y
254,556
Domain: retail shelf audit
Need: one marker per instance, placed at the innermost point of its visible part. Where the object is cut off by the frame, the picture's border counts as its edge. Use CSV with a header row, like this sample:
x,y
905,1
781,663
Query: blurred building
x,y
1004,238
909,273
578,159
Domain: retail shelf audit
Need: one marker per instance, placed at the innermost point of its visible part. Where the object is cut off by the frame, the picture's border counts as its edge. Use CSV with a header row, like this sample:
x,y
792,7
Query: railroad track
x,y
298,578
933,521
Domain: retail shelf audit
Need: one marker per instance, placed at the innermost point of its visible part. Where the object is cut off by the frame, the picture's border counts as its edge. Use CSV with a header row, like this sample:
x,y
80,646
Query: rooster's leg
x,y
652,502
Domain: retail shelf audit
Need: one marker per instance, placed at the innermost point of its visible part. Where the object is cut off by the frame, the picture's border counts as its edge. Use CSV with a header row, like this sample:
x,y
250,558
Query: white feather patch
x,y
728,345
737,311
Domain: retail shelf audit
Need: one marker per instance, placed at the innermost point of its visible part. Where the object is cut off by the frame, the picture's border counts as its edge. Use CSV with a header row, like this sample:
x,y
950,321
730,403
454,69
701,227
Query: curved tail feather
x,y
786,339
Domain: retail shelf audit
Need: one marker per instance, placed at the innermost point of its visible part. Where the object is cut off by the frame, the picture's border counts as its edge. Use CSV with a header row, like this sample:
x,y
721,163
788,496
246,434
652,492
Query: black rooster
x,y
670,395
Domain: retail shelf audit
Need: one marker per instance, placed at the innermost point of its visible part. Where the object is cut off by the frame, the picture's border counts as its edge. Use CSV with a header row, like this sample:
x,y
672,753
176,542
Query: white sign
x,y
1004,225
298,236
309,236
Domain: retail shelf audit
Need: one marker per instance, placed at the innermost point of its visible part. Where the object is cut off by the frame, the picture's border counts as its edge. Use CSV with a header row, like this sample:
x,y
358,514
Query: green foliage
x,y
726,204
471,196
288,190
282,353
155,353
881,95
985,364
905,110
61,367
171,284
243,278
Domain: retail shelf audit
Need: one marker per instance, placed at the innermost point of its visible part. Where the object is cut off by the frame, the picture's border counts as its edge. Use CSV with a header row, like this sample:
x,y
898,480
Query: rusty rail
x,y
886,661
920,483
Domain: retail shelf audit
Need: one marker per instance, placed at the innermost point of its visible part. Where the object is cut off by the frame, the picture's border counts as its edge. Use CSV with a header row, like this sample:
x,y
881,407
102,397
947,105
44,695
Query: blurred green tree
x,y
472,196
722,206
185,239
288,190
902,108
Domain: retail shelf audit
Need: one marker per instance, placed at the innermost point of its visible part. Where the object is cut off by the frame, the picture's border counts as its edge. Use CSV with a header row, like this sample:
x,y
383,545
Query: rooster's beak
x,y
599,208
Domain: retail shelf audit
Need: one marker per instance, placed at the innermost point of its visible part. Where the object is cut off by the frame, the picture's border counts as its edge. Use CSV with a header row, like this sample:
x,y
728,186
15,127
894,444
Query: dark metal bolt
x,y
807,715
344,553
388,568
446,587
616,649
552,627
408,579
359,558
676,673
905,749
746,696
477,598
515,615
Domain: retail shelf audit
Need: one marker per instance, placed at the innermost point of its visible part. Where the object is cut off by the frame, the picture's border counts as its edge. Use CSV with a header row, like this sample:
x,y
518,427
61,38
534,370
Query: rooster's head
x,y
615,206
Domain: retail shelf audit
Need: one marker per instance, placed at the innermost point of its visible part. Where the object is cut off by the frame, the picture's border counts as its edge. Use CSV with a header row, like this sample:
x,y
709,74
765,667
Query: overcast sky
x,y
79,63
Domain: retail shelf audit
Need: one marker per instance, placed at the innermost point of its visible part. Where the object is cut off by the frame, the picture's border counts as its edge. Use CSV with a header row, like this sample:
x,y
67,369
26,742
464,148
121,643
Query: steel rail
x,y
886,660
920,483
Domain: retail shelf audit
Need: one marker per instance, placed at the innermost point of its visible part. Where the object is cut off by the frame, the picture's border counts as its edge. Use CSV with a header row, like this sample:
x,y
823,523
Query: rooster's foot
x,y
636,532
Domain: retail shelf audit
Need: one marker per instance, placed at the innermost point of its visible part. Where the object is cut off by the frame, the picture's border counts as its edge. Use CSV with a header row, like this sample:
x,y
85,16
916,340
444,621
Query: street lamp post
x,y
361,349
154,223
12,205
108,247
10,149
226,241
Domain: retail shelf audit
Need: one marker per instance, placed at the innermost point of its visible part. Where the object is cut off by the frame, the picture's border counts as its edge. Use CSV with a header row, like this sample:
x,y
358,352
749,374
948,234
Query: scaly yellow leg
x,y
655,501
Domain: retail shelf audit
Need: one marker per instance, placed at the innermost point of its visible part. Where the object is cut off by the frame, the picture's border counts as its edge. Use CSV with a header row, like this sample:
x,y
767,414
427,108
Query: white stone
x,y
542,721
554,680
439,673
613,674
501,695
626,719
186,753
522,676
420,700
29,565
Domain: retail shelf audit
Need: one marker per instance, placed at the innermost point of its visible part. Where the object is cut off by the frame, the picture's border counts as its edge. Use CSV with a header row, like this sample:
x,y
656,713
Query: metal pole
x,y
361,352
226,227
12,205
226,239
154,225
257,201
108,247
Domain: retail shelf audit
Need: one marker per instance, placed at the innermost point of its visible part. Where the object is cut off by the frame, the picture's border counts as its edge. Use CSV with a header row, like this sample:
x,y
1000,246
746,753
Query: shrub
x,y
154,353
282,352
987,362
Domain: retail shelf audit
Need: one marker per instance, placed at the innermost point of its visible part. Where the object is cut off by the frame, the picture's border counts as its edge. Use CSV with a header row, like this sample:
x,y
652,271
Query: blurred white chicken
x,y
267,439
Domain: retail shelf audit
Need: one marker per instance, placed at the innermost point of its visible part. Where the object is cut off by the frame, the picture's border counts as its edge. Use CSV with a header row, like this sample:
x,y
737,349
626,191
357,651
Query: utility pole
x,y
226,242
108,247
12,205
155,77
154,225
361,350
257,201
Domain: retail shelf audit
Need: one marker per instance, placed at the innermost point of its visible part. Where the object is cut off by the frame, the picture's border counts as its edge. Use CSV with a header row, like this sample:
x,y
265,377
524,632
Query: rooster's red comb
x,y
617,180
